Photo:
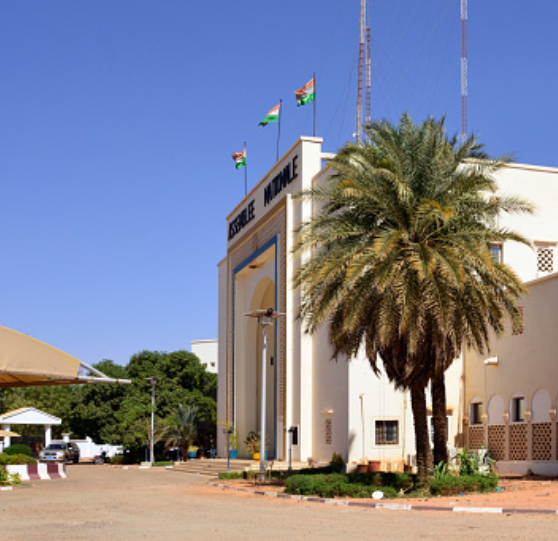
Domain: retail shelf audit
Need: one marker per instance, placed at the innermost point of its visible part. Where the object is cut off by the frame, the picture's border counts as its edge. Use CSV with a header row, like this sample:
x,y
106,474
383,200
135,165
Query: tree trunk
x,y
422,443
439,417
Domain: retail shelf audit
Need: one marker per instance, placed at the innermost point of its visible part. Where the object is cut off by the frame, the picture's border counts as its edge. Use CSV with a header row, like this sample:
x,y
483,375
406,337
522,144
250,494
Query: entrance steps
x,y
212,467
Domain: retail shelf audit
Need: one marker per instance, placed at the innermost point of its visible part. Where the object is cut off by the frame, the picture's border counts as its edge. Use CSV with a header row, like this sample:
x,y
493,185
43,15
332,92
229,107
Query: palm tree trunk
x,y
439,417
424,454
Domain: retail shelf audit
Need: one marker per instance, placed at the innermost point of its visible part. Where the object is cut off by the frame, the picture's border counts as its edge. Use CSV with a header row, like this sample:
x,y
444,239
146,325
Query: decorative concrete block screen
x,y
497,441
518,442
476,437
328,431
542,441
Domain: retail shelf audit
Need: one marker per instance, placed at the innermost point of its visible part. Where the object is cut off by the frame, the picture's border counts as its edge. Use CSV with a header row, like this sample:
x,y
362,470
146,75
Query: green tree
x,y
182,429
400,261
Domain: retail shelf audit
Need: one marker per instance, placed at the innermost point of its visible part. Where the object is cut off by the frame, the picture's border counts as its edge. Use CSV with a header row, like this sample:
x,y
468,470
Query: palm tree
x,y
399,257
182,431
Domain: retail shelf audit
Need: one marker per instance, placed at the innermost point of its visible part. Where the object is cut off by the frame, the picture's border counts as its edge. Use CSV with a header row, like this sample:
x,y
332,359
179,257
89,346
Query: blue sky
x,y
118,119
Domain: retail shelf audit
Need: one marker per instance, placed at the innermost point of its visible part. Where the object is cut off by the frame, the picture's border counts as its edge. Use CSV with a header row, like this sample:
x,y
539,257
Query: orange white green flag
x,y
305,94
272,116
239,158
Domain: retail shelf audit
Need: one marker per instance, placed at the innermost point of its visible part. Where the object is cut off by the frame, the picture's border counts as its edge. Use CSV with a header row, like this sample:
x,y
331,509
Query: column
x,y
48,435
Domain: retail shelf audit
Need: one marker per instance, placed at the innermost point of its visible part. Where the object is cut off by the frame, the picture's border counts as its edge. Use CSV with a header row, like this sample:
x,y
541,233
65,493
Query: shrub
x,y
14,460
337,464
332,485
163,463
453,484
231,475
117,459
18,449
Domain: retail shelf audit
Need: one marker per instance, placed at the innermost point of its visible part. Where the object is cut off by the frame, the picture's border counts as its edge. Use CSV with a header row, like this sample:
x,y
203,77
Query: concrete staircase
x,y
214,466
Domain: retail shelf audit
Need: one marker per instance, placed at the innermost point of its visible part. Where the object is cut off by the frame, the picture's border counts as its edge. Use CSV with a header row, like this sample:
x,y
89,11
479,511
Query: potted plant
x,y
252,444
233,445
192,451
232,435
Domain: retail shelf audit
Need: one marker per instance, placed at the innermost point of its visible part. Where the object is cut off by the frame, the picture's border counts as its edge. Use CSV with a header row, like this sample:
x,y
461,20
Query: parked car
x,y
60,452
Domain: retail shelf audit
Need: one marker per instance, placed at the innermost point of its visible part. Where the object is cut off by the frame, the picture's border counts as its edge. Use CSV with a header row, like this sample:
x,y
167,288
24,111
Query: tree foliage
x,y
121,414
400,255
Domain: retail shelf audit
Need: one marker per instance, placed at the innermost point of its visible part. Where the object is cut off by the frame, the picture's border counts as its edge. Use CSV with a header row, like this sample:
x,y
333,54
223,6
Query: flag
x,y
272,116
305,94
239,158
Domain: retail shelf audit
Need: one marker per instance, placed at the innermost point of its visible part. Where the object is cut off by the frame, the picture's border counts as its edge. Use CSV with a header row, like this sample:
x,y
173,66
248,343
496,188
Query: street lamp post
x,y
265,318
153,381
228,432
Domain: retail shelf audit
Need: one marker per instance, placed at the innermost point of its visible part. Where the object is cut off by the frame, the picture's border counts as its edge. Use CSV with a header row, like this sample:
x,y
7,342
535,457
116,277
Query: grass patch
x,y
163,463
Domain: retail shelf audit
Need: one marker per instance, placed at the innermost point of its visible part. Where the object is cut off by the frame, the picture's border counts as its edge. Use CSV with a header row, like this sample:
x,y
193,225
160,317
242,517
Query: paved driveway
x,y
100,502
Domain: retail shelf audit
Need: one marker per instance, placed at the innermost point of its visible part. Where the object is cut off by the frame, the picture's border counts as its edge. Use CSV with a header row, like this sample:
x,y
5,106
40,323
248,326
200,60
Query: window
x,y
328,431
387,432
431,421
518,409
517,328
496,252
476,413
545,258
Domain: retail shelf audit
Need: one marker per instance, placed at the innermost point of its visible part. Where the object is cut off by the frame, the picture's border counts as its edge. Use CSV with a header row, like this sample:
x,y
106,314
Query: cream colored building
x,y
334,407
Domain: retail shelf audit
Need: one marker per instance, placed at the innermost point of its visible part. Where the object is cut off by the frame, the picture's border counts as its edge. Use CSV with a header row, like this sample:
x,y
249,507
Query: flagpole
x,y
245,171
314,104
279,127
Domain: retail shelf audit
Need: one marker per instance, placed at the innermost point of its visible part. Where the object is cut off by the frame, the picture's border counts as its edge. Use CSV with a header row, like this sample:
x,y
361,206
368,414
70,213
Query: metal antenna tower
x,y
368,90
464,67
364,72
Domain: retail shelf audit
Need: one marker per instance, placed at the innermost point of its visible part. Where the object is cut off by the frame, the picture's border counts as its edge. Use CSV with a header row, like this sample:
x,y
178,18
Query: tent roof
x,y
27,362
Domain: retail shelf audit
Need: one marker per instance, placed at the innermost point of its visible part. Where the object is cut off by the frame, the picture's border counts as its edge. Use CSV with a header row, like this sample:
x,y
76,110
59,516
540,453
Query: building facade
x,y
331,406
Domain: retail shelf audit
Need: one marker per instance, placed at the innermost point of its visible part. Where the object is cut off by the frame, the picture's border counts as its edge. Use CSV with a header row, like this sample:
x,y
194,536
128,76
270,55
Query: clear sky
x,y
118,119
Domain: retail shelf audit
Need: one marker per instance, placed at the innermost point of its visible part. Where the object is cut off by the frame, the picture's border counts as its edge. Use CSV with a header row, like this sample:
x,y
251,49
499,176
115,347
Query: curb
x,y
392,506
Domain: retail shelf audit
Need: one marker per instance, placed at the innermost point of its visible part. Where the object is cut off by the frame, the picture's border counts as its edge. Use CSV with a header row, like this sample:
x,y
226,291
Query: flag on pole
x,y
239,158
272,116
305,94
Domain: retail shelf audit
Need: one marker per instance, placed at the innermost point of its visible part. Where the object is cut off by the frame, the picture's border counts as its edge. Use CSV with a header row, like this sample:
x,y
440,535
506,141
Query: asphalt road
x,y
100,502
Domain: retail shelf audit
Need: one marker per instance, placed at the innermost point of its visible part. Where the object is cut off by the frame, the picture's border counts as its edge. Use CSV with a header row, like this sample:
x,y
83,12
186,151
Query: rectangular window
x,y
387,432
517,328
476,413
430,420
518,406
328,431
496,252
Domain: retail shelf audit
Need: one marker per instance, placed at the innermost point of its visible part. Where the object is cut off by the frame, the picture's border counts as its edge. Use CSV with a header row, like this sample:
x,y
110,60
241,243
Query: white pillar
x,y
7,439
66,437
48,435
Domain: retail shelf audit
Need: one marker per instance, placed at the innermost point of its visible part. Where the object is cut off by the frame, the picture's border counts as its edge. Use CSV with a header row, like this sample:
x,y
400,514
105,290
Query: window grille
x,y
328,431
517,328
387,432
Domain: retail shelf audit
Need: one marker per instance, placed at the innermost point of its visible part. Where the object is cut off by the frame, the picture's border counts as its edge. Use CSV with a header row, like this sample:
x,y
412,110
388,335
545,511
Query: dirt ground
x,y
100,502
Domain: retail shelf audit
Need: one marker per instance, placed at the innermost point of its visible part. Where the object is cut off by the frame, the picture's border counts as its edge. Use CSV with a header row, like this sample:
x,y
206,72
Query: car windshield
x,y
57,446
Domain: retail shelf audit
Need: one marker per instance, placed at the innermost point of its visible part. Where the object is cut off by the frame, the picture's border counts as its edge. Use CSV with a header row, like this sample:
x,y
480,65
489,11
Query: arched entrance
x,y
255,289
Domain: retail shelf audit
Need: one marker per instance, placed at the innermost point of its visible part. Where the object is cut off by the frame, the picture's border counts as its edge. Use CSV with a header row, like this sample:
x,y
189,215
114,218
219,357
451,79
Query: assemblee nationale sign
x,y
279,182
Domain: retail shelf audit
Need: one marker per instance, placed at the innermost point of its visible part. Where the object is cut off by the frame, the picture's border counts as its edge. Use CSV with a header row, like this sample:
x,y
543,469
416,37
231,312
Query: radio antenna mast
x,y
464,68
361,69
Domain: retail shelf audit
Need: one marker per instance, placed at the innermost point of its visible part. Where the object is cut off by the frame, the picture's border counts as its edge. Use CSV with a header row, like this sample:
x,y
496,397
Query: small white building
x,y
28,416
333,407
207,352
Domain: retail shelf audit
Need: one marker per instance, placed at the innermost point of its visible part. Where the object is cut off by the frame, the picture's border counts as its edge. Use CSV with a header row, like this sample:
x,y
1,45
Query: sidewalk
x,y
534,495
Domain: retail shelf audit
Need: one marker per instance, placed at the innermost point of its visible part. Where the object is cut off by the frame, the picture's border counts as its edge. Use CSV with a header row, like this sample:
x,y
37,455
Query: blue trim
x,y
257,253
271,242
